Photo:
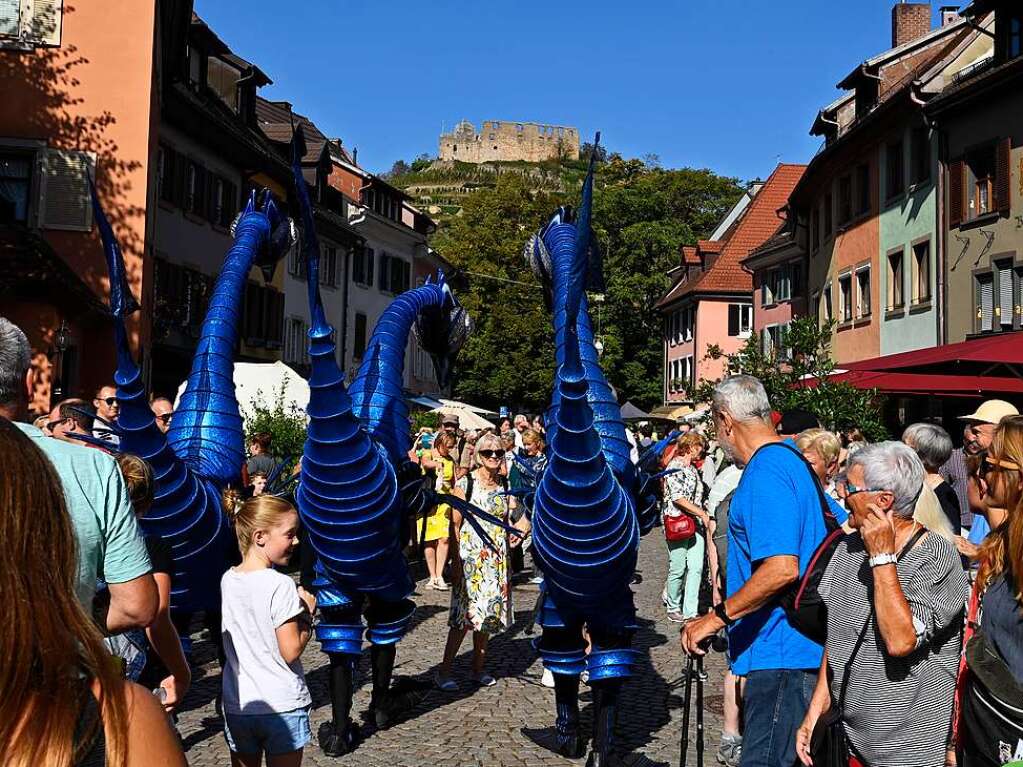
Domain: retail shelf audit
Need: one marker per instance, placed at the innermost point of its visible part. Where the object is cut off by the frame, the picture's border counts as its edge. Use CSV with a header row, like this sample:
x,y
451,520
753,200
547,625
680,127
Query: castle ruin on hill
x,y
509,141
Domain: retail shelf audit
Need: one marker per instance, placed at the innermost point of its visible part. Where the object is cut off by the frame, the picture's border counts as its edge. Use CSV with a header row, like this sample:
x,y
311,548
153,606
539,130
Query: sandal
x,y
445,683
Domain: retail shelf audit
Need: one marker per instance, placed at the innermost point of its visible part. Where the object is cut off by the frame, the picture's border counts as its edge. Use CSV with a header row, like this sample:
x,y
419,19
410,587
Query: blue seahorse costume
x,y
358,488
203,450
591,503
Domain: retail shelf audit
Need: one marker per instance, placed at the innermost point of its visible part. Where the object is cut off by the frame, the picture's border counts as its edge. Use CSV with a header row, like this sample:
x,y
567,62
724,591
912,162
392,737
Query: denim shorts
x,y
273,733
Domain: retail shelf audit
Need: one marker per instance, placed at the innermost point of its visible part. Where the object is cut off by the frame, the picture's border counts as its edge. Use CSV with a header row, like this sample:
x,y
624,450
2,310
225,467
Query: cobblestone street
x,y
509,724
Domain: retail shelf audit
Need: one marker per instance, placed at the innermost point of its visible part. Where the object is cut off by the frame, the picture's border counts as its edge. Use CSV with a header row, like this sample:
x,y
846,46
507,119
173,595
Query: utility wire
x,y
532,285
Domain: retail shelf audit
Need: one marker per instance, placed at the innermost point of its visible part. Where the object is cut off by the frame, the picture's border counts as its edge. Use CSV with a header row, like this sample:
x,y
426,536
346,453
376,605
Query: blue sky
x,y
731,85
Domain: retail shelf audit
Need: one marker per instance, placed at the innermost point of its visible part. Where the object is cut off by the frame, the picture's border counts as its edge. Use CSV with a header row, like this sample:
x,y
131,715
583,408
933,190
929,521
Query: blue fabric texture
x,y
275,734
979,530
837,509
775,512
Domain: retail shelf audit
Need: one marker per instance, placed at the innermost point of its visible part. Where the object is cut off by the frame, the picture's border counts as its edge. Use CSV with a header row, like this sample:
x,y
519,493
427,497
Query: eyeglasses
x,y
492,453
851,489
165,418
110,401
51,425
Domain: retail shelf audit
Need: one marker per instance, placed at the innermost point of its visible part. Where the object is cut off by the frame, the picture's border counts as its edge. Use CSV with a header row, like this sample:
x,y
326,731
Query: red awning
x,y
922,383
976,356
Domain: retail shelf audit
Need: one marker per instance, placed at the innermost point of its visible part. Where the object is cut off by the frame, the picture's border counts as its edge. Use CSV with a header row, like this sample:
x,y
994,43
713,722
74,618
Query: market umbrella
x,y
467,419
632,413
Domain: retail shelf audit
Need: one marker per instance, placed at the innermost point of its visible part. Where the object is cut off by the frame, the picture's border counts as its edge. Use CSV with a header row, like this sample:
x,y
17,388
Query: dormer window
x,y
222,79
1015,41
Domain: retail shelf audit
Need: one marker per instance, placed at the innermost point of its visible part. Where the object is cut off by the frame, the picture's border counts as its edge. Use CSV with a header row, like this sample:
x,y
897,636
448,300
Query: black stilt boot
x,y
605,715
340,736
566,697
380,705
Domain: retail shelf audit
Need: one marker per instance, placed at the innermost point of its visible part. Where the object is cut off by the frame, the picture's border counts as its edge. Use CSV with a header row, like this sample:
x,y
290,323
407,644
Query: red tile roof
x,y
689,257
759,222
711,246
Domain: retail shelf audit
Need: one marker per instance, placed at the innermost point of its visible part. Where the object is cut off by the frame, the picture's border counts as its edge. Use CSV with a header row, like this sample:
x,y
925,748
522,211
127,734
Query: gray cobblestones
x,y
503,726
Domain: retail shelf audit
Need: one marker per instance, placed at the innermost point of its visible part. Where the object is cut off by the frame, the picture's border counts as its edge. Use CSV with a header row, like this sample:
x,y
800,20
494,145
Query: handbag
x,y
681,527
829,746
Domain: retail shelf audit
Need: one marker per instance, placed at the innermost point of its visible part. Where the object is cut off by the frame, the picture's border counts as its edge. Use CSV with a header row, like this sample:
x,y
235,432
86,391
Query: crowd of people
x,y
885,539
760,510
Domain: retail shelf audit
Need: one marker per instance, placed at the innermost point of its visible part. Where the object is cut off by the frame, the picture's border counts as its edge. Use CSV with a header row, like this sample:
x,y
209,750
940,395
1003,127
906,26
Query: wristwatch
x,y
719,610
882,559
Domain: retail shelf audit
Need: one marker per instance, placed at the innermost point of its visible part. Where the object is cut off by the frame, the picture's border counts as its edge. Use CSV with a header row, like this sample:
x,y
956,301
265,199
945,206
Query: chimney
x,y
949,14
910,21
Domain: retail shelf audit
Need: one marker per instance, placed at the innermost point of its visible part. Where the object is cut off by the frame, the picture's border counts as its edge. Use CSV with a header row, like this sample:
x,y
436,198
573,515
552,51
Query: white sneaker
x,y
440,585
547,679
584,677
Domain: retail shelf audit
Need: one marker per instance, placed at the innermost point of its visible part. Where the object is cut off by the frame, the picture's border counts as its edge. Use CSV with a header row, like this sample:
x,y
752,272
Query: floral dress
x,y
481,601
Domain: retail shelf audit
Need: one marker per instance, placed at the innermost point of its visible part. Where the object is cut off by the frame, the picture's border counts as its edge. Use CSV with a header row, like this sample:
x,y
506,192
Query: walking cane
x,y
686,701
691,665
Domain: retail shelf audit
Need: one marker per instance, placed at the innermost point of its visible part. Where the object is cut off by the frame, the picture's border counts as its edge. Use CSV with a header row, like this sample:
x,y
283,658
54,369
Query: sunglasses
x,y
51,425
165,418
994,465
492,453
110,401
851,489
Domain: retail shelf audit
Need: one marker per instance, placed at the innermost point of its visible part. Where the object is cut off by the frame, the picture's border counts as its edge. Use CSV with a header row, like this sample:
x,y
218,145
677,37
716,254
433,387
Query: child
x,y
266,625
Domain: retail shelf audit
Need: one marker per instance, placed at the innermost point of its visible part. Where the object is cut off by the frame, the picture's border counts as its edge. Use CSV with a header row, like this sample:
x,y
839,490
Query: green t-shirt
x,y
110,545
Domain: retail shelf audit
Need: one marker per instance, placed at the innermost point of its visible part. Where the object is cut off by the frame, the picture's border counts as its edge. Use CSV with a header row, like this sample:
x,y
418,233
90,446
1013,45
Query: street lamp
x,y
598,344
61,339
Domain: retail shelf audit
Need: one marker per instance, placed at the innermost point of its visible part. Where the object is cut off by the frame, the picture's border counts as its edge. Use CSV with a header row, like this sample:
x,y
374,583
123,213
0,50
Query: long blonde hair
x,y
51,649
928,512
1003,548
257,513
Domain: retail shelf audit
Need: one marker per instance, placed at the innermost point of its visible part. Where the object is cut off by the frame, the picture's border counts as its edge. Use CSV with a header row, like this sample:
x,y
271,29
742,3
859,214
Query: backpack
x,y
802,603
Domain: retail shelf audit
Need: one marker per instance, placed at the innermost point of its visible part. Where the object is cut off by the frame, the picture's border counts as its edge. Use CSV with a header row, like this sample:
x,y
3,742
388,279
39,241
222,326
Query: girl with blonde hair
x,y
267,623
433,528
63,700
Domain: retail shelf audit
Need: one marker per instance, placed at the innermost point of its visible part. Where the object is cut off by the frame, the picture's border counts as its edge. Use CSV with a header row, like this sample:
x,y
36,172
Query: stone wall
x,y
499,141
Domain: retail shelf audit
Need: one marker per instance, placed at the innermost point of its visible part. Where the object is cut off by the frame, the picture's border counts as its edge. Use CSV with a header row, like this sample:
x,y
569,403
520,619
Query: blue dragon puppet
x,y
590,504
358,488
203,450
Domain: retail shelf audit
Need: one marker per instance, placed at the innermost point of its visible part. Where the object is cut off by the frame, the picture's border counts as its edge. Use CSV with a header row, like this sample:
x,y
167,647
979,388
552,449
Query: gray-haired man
x,y
109,544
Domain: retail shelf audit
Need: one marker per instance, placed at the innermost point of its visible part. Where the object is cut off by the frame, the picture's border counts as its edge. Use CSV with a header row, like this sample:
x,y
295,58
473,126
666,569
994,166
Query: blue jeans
x,y
775,703
273,733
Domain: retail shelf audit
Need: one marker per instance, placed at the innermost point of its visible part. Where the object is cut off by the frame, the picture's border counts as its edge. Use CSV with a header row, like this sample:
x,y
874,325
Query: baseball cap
x,y
449,418
991,411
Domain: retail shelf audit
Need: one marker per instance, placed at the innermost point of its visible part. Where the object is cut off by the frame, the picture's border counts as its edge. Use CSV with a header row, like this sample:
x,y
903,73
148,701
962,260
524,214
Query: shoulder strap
x,y
468,487
863,634
830,522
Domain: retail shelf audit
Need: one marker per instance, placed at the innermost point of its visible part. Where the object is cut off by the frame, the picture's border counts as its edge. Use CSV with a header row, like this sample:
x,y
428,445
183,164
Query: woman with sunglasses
x,y
480,587
998,624
895,595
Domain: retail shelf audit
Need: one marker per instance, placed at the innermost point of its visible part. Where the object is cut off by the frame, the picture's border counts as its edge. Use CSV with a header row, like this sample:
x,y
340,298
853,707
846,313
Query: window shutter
x,y
1005,294
985,302
384,272
10,18
406,275
1003,177
733,319
46,21
180,181
358,261
369,266
397,274
956,187
64,201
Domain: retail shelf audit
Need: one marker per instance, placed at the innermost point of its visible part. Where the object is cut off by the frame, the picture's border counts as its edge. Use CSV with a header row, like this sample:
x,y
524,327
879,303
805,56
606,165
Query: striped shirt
x,y
897,710
954,472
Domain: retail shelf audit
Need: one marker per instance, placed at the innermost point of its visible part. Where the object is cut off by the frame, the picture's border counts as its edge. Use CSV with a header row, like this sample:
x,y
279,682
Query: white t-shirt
x,y
257,680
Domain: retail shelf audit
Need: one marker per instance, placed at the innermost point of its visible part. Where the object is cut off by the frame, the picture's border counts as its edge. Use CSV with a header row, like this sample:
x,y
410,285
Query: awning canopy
x,y
1001,354
935,384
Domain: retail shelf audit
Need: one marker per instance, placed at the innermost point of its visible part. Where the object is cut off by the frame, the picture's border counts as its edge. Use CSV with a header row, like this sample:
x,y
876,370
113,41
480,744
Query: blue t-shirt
x,y
775,512
979,530
837,509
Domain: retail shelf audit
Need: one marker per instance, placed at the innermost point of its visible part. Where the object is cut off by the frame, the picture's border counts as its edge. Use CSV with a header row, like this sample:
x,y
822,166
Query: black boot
x,y
340,736
566,697
380,705
605,715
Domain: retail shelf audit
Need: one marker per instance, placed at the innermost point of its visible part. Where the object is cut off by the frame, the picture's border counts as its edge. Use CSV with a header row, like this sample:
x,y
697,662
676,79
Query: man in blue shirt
x,y
775,524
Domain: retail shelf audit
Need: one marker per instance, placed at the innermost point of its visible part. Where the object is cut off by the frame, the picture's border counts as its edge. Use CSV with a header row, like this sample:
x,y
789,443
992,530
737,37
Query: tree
x,y
400,168
421,163
285,425
641,218
799,377
586,150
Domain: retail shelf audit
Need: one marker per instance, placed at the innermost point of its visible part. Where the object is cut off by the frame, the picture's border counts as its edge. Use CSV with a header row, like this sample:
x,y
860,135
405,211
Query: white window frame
x,y
860,314
842,301
29,34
